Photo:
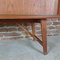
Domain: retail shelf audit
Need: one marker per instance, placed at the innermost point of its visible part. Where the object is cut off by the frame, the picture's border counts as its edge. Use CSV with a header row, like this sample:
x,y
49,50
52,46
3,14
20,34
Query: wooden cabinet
x,y
28,7
17,11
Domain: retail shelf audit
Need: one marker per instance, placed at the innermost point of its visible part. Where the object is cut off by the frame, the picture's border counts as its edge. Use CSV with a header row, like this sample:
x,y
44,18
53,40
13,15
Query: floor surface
x,y
26,49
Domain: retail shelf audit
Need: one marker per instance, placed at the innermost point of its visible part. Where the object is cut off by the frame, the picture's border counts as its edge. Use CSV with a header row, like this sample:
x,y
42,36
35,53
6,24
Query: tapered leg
x,y
33,30
44,36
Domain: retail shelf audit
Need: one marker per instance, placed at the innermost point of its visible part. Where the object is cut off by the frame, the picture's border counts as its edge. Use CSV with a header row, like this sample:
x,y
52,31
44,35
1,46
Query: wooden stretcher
x,y
31,15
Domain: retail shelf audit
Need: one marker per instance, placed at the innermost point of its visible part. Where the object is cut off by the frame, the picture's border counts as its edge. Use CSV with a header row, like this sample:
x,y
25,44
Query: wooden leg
x,y
33,30
44,36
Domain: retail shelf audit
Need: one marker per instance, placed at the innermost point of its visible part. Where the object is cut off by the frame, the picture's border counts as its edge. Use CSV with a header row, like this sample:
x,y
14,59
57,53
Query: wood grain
x,y
44,36
59,7
28,7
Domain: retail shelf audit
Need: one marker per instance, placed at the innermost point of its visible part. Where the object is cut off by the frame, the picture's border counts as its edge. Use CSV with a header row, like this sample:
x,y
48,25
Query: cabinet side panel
x,y
59,7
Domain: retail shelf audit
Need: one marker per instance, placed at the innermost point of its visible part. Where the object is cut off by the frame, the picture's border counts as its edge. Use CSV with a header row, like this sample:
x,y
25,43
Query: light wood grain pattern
x,y
28,7
51,7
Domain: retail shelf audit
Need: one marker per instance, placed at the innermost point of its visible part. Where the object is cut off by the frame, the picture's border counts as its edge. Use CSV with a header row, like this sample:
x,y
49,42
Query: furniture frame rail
x,y
30,19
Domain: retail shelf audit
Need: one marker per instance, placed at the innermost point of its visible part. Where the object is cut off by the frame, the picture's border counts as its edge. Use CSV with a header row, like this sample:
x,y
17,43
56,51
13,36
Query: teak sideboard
x,y
30,11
